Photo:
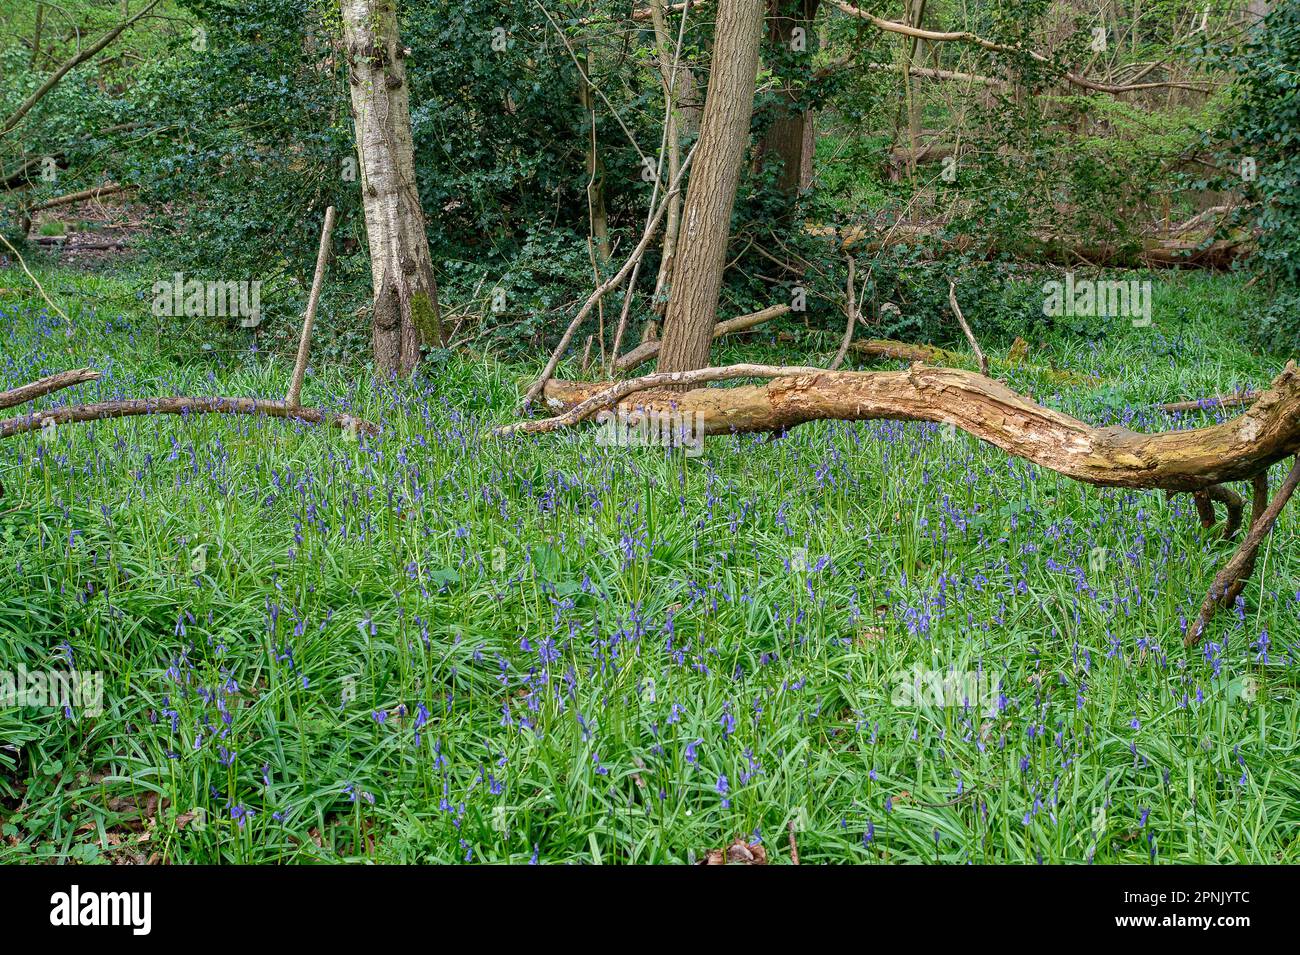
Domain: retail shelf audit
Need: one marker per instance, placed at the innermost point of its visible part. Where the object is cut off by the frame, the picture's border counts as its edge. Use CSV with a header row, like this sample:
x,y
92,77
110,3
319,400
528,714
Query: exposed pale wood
x,y
970,336
1187,460
294,397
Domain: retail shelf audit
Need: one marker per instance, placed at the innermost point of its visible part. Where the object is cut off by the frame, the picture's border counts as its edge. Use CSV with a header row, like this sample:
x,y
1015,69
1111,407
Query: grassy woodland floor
x,y
437,647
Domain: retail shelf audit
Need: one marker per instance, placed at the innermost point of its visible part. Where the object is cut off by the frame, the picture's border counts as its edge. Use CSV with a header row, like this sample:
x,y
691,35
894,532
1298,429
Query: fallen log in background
x,y
1170,251
647,350
1205,404
931,354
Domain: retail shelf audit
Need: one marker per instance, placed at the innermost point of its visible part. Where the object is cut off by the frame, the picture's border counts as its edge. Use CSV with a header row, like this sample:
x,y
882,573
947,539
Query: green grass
x,y
573,644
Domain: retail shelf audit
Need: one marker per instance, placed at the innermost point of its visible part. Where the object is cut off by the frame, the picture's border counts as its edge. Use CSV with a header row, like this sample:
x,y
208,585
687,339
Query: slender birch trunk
x,y
406,293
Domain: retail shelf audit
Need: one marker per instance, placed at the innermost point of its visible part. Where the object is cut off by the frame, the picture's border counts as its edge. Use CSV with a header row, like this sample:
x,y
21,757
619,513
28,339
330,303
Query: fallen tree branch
x,y
963,36
1231,580
933,355
180,406
95,192
1187,460
64,379
649,349
905,351
1170,251
1205,404
1199,461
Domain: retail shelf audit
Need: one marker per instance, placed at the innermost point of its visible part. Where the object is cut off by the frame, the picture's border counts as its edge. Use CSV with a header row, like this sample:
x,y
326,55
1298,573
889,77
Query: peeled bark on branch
x,y
1189,460
1197,461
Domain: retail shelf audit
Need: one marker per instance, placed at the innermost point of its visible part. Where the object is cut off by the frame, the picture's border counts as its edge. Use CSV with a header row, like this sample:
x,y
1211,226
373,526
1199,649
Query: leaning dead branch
x,y
1231,580
649,349
294,396
612,282
970,336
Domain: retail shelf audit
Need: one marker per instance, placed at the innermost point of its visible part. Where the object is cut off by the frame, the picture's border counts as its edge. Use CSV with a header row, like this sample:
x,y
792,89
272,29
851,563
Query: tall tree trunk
x,y
597,216
711,194
665,48
789,138
406,293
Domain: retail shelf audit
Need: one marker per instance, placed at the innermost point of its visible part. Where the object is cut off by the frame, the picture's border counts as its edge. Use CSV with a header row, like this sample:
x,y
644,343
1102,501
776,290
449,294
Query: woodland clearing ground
x,y
434,647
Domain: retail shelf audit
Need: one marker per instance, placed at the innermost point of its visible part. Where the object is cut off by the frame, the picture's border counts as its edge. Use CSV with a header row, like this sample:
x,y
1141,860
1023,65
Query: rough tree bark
x,y
706,222
670,74
406,293
789,139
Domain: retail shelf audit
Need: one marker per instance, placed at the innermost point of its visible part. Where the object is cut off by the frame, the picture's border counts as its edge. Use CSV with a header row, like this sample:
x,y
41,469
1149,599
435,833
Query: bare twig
x,y
35,281
613,281
70,64
649,349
